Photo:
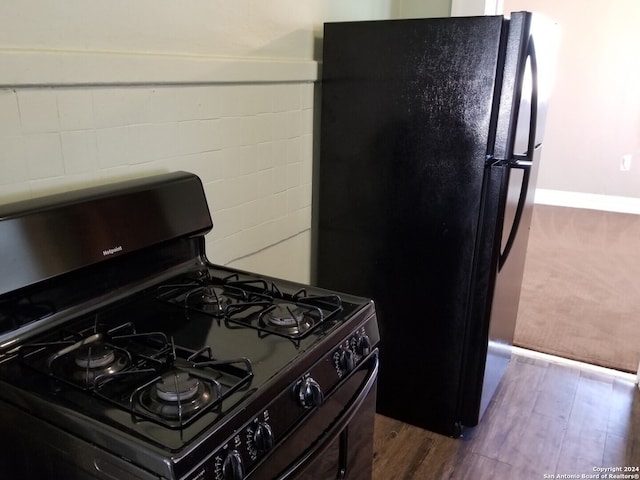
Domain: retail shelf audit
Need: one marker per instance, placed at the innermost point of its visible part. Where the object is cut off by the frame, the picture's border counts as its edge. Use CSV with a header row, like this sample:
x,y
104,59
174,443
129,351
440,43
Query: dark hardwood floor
x,y
546,419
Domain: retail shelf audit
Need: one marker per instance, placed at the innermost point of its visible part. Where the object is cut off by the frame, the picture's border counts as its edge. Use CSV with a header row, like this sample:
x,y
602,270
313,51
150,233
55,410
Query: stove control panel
x,y
351,352
256,438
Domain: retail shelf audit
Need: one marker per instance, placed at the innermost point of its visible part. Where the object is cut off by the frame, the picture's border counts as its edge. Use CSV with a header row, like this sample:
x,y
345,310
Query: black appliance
x,y
126,354
428,158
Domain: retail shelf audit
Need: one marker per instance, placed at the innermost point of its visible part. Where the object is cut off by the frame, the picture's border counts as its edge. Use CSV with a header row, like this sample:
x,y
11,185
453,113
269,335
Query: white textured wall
x,y
228,28
277,28
250,144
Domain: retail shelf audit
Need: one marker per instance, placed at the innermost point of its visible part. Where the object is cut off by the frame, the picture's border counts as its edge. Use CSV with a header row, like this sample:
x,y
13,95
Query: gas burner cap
x,y
95,356
291,319
211,295
209,299
175,387
88,362
177,396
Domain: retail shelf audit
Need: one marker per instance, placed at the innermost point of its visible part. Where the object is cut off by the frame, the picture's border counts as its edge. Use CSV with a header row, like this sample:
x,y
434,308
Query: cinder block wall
x,y
250,143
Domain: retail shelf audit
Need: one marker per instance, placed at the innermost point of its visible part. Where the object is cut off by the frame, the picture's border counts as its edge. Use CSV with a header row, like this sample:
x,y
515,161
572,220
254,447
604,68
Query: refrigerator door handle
x,y
533,118
524,162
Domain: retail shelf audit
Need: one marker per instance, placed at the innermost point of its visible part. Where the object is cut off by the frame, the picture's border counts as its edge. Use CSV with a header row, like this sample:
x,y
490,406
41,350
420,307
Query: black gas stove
x,y
124,353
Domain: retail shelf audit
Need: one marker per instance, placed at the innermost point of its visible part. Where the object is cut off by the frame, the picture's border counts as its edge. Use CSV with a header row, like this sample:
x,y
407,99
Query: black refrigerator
x,y
430,139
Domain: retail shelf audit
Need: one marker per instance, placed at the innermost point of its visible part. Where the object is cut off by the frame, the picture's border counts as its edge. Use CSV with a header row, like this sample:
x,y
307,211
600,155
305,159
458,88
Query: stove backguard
x,y
50,236
72,251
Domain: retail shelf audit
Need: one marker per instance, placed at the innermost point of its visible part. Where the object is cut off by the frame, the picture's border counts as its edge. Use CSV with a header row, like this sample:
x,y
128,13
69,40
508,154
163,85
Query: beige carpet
x,y
581,288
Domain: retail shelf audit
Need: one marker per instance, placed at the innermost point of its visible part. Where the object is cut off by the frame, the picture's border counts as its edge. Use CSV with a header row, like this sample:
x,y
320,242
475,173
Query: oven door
x,y
334,441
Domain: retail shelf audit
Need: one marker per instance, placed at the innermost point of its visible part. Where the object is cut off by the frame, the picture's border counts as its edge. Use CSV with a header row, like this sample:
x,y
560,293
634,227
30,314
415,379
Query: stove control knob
x,y
347,360
309,393
232,467
263,437
363,346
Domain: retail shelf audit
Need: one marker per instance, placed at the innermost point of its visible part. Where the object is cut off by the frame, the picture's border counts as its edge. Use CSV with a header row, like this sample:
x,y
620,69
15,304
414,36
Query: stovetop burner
x,y
285,316
143,373
212,296
177,395
80,357
210,299
292,320
253,303
177,386
89,362
95,357
208,296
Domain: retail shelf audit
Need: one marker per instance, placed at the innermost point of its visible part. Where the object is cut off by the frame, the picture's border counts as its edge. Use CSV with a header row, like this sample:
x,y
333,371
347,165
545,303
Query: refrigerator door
x,y
407,113
512,183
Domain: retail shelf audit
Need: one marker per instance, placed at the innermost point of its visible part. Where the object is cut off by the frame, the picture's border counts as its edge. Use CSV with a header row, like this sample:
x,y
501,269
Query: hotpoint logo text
x,y
111,251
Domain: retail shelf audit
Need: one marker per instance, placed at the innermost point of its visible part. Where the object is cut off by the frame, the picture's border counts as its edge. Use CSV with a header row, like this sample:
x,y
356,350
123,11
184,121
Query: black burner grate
x,y
254,304
145,374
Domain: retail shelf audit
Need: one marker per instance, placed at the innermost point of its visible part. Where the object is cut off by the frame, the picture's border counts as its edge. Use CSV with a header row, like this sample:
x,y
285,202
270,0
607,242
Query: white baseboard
x,y
589,201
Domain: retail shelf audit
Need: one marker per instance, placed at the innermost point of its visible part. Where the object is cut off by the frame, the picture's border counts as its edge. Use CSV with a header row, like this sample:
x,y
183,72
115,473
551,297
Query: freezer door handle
x,y
533,118
524,162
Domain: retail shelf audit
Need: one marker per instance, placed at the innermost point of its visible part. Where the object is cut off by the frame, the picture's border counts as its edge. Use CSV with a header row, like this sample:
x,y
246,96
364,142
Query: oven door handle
x,y
336,429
